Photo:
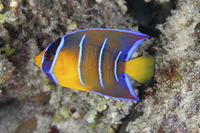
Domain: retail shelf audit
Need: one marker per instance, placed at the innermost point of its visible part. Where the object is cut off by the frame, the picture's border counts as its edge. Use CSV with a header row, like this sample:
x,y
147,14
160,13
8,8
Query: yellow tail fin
x,y
141,68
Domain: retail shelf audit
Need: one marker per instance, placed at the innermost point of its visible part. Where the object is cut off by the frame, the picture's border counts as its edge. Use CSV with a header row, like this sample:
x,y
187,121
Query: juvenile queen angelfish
x,y
97,60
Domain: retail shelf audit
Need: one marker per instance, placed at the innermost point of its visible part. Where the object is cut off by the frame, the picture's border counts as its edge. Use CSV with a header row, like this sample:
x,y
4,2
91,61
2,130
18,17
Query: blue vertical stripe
x,y
79,58
51,76
133,48
42,61
55,58
130,88
100,58
115,66
56,54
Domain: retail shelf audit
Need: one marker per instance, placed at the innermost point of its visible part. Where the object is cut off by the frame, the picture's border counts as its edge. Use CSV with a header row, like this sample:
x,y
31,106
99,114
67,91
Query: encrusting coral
x,y
170,104
173,105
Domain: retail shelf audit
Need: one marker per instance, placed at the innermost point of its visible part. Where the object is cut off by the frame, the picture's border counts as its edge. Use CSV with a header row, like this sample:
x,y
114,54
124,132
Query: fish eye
x,y
48,56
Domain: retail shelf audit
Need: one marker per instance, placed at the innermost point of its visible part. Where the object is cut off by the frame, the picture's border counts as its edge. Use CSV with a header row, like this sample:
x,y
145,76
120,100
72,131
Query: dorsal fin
x,y
118,40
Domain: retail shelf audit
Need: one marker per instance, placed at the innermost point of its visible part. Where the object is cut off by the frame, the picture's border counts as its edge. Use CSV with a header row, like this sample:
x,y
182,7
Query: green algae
x,y
1,7
57,117
109,130
6,15
119,106
8,8
31,55
91,125
2,18
175,78
65,113
8,51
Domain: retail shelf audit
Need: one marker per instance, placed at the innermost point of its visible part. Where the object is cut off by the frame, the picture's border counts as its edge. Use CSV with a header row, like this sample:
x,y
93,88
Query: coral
x,y
3,31
170,104
173,104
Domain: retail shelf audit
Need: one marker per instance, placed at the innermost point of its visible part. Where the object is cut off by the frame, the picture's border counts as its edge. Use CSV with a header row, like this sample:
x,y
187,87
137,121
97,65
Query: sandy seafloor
x,y
30,102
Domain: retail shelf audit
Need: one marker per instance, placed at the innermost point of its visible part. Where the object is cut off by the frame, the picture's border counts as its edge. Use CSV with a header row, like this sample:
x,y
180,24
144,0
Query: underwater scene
x,y
100,66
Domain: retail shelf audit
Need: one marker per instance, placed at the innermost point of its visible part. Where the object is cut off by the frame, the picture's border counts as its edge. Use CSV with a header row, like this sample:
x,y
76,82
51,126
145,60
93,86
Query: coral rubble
x,y
30,102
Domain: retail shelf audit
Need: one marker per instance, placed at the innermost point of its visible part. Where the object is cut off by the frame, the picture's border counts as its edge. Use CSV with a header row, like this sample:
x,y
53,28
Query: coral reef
x,y
173,105
30,102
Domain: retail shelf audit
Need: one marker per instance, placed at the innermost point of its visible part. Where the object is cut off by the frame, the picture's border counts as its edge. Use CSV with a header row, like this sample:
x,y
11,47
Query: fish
x,y
97,60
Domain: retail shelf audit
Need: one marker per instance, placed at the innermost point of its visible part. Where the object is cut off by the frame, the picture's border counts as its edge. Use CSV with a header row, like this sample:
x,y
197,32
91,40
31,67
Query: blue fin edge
x,y
127,31
52,77
134,46
130,88
114,97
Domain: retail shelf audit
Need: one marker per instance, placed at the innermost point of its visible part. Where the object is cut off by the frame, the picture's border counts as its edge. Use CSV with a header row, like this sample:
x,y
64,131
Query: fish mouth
x,y
37,60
